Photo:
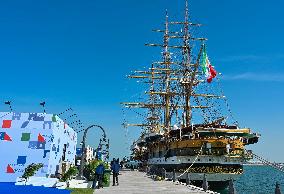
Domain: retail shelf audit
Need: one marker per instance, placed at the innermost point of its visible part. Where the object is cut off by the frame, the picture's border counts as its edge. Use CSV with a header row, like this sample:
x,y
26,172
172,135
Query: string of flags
x,y
207,69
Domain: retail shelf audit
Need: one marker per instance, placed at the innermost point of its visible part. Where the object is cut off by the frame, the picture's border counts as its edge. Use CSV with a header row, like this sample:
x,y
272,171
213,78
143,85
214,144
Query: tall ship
x,y
187,125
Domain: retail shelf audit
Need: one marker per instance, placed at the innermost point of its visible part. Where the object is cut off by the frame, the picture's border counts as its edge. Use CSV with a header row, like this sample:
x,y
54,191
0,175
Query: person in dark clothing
x,y
115,171
99,174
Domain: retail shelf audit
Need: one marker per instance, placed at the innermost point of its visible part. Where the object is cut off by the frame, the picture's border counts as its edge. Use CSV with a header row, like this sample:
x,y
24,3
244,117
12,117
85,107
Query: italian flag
x,y
207,68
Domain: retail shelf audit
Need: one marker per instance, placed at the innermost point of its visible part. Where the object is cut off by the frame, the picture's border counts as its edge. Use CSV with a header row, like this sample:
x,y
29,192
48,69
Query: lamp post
x,y
43,106
10,104
82,162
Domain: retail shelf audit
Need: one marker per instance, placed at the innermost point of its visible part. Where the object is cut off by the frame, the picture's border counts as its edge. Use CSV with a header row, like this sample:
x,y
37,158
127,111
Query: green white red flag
x,y
207,69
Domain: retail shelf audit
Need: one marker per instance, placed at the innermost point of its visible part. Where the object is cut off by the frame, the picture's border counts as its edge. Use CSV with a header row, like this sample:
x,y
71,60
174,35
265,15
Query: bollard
x,y
174,175
277,188
205,183
232,189
187,179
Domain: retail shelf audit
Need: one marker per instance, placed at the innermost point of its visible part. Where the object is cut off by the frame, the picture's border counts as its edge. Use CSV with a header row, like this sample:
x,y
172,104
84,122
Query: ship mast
x,y
153,117
177,80
167,61
186,62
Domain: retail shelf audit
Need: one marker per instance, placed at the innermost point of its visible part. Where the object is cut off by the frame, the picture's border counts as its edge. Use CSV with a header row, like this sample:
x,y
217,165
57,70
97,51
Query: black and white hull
x,y
218,170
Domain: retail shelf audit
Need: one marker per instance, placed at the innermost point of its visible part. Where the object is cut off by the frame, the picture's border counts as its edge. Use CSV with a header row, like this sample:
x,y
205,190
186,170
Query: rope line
x,y
236,122
192,163
264,161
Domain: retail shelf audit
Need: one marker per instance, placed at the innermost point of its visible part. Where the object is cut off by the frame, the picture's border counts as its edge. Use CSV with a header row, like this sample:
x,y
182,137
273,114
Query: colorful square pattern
x,y
26,137
7,124
22,160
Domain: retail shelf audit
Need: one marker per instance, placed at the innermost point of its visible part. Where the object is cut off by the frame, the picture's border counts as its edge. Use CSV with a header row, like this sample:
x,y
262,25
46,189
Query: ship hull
x,y
216,181
218,174
212,185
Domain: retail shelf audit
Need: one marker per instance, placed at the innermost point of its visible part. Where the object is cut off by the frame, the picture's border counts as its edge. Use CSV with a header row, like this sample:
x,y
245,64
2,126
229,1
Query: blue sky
x,y
77,54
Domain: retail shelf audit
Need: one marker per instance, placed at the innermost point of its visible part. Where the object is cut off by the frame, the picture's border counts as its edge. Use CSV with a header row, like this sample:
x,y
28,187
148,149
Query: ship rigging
x,y
187,111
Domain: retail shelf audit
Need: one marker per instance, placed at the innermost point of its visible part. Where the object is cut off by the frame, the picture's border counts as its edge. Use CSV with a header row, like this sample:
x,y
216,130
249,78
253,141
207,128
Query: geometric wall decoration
x,y
37,138
16,116
6,123
2,134
26,137
40,138
25,124
54,118
7,137
10,169
33,144
21,159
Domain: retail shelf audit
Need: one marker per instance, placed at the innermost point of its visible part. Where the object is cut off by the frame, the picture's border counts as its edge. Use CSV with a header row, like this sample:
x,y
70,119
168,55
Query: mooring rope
x,y
192,163
264,161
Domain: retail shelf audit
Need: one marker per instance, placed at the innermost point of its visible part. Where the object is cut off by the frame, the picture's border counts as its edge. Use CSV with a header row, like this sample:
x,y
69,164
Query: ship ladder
x,y
273,165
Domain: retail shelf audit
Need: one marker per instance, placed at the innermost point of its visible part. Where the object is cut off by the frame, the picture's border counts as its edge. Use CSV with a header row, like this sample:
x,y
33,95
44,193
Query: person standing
x,y
115,171
99,174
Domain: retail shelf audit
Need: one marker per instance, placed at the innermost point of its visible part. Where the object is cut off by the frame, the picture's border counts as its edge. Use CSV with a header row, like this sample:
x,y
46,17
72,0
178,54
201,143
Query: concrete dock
x,y
134,182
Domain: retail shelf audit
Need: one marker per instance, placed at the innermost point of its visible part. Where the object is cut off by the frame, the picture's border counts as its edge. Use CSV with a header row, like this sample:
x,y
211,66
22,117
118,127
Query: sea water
x,y
258,180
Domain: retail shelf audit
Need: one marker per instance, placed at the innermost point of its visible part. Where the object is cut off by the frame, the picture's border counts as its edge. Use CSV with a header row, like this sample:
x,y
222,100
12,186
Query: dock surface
x,y
135,182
